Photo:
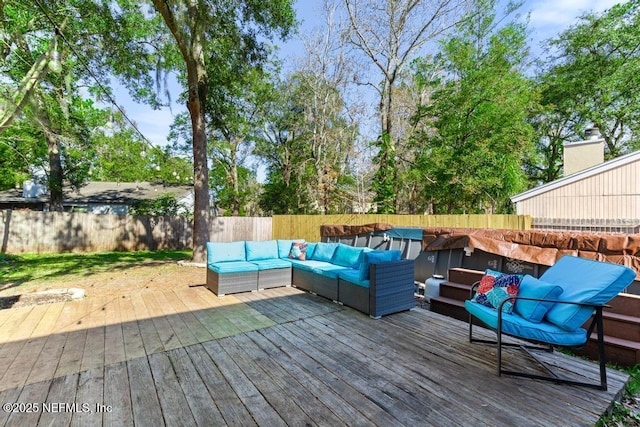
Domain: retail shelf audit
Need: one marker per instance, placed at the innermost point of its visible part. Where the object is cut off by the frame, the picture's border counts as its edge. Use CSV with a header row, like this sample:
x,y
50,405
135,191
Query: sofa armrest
x,y
391,287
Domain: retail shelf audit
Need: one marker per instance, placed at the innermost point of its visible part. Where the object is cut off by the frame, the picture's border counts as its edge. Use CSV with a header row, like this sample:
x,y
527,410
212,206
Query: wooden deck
x,y
276,357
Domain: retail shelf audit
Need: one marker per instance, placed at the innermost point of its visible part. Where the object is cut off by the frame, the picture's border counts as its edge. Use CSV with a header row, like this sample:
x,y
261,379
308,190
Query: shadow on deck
x,y
275,357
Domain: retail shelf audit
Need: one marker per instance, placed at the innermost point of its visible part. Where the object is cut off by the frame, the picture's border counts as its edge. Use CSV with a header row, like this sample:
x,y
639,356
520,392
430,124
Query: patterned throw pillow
x,y
495,286
298,251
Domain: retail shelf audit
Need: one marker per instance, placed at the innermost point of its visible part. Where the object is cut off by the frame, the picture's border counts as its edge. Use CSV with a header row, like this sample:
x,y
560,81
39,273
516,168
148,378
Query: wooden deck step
x,y
618,351
625,304
453,290
449,307
464,275
621,326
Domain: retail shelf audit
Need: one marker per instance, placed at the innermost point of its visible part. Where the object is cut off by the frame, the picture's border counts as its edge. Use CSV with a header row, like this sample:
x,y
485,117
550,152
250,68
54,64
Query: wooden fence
x,y
308,226
38,232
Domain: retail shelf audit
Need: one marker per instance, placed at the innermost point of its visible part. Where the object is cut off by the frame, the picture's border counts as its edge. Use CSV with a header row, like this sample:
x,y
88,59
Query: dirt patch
x,y
156,276
35,298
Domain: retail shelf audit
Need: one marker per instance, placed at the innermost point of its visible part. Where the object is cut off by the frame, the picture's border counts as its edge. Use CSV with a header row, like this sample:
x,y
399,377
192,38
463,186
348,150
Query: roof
x,y
106,192
578,176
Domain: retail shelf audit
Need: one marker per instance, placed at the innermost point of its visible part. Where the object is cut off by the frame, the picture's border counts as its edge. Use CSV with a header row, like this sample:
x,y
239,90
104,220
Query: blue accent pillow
x,y
346,256
530,287
375,257
324,251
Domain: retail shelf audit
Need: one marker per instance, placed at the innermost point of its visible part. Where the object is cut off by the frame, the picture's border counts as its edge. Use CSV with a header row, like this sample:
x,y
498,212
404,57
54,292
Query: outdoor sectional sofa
x,y
374,282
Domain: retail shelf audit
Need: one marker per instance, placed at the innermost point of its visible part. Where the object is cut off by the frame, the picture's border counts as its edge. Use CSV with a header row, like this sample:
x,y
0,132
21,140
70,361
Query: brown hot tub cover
x,y
538,247
352,230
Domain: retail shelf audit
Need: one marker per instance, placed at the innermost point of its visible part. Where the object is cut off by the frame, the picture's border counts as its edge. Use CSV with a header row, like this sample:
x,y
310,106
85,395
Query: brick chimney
x,y
582,155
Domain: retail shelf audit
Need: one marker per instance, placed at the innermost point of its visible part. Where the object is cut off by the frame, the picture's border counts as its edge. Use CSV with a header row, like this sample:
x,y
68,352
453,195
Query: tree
x,y
282,147
390,35
29,59
473,158
224,29
594,77
237,114
21,152
309,140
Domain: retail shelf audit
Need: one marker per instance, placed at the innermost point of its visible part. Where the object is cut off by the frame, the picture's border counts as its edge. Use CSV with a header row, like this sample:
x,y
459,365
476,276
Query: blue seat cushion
x,y
270,264
307,265
323,251
330,270
267,249
346,256
513,324
587,281
530,287
353,276
225,251
232,267
373,257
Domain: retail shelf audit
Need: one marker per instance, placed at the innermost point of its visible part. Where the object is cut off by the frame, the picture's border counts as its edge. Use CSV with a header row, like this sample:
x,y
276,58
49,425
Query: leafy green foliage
x,y
306,144
472,157
384,181
594,77
161,206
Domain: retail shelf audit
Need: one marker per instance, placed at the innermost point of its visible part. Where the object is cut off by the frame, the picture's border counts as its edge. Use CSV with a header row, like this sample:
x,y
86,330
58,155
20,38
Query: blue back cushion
x,y
376,256
323,251
225,251
531,287
261,250
346,256
584,280
311,248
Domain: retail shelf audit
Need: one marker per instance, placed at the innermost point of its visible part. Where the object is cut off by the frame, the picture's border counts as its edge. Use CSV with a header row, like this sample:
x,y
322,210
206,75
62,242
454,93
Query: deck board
x,y
202,407
275,357
117,396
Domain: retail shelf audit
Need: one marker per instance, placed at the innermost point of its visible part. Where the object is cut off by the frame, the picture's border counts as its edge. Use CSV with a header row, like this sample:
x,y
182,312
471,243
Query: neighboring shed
x,y
604,197
96,197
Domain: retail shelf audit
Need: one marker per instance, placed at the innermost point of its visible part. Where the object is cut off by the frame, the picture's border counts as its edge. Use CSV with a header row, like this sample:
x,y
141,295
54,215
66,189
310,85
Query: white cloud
x,y
550,17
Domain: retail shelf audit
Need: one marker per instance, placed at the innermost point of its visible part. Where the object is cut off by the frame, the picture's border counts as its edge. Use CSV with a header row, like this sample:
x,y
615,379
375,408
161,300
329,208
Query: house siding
x,y
612,194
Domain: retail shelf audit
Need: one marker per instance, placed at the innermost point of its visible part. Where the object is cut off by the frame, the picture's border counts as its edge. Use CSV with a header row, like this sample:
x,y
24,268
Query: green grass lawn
x,y
16,269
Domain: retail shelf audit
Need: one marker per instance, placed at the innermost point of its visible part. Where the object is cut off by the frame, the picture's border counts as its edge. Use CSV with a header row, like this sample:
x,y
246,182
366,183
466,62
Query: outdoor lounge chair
x,y
552,310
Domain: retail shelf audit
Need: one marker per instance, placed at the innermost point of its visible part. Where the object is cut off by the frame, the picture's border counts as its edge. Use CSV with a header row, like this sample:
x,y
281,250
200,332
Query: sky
x,y
547,19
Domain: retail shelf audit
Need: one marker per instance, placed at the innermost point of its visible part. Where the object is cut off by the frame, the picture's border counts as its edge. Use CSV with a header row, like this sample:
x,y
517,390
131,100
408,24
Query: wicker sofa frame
x,y
390,291
229,283
274,278
320,285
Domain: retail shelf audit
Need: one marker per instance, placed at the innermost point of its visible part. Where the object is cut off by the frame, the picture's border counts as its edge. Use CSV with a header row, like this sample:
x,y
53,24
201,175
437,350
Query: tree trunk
x,y
55,176
235,205
191,45
197,96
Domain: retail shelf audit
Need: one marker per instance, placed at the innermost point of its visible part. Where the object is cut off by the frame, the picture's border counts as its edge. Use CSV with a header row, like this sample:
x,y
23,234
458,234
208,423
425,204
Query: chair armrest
x,y
586,304
474,289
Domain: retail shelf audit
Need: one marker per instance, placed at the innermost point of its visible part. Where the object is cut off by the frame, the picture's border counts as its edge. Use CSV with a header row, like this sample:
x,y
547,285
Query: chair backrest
x,y
586,281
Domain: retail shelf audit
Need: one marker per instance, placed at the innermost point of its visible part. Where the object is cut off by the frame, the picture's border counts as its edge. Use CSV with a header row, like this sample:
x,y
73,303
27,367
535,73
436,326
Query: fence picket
x,y
23,231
